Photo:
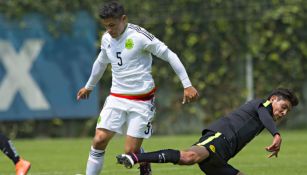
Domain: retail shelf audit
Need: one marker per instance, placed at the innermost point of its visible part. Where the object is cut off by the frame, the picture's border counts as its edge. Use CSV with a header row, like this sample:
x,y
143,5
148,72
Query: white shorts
x,y
137,114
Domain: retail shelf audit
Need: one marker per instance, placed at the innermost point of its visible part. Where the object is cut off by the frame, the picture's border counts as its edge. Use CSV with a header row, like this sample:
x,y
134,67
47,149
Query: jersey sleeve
x,y
159,49
154,45
177,66
267,120
98,68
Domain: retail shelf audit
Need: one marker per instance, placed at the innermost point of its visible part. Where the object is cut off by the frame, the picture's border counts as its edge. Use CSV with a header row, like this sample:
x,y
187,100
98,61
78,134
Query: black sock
x,y
162,156
8,149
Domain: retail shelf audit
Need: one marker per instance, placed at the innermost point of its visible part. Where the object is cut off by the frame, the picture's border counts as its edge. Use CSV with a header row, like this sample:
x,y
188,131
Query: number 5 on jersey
x,y
120,62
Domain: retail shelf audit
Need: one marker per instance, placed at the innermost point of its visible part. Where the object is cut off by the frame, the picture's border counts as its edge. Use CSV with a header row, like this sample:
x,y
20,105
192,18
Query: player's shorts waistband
x,y
143,97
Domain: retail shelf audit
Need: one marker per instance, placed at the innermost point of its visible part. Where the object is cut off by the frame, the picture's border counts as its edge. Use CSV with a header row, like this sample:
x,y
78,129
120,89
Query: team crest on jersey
x,y
212,147
99,119
129,43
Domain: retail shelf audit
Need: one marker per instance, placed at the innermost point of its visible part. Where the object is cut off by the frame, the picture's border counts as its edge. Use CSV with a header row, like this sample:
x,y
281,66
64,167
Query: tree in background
x,y
213,38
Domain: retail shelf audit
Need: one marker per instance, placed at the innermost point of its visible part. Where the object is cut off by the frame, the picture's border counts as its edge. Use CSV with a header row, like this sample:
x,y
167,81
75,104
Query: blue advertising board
x,y
41,73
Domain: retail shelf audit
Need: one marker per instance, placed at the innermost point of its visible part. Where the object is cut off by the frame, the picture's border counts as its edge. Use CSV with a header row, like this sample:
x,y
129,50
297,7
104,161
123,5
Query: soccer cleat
x,y
125,160
145,169
22,167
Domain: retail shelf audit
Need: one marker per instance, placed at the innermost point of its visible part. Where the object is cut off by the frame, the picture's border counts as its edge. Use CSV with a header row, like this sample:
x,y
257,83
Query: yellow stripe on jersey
x,y
267,103
209,139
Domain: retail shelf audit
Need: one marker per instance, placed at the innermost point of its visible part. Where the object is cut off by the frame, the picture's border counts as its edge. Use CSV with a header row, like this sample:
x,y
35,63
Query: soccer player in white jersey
x,y
128,48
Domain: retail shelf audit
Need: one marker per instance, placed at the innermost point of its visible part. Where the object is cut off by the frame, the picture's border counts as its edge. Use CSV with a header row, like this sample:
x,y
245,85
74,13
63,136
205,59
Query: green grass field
x,y
69,156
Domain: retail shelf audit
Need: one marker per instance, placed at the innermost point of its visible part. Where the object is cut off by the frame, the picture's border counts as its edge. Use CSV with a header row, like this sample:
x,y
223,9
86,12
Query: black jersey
x,y
243,124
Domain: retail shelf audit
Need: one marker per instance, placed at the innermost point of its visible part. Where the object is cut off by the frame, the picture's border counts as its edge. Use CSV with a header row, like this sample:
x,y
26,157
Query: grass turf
x,y
69,156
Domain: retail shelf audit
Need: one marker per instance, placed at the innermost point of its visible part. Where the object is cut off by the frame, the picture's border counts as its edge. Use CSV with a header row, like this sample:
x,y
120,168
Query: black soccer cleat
x,y
145,169
125,160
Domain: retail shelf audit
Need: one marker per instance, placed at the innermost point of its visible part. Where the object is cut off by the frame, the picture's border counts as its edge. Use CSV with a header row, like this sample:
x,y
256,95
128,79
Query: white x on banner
x,y
18,77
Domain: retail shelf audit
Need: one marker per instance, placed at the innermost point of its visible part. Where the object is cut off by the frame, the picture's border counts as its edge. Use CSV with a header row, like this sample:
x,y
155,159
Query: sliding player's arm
x,y
268,122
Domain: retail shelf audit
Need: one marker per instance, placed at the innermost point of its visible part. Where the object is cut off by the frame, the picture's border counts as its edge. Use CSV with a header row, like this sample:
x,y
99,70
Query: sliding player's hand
x,y
190,94
275,146
274,153
83,93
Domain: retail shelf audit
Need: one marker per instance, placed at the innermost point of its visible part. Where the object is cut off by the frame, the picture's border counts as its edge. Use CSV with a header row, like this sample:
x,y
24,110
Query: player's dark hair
x,y
111,9
285,94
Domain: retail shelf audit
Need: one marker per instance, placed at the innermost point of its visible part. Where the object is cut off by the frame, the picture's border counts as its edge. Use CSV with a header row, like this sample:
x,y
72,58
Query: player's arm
x,y
269,124
275,146
98,69
159,49
190,93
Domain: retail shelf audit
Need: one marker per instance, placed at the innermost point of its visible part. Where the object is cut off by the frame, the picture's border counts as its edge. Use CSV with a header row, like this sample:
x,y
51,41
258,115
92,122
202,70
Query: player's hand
x,y
83,93
275,146
190,94
274,153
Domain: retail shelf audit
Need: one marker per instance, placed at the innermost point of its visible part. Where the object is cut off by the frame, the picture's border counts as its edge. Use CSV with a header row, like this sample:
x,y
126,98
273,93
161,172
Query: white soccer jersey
x,y
131,60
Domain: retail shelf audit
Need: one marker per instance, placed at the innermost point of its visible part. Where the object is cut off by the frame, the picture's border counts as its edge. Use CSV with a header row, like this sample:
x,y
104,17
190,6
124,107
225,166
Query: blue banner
x,y
41,73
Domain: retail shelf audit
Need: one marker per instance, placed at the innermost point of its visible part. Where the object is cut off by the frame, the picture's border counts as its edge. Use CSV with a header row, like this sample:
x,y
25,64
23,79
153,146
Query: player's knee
x,y
189,158
100,142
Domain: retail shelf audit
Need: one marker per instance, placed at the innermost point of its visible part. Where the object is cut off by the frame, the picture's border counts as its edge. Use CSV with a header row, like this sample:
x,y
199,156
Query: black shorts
x,y
218,147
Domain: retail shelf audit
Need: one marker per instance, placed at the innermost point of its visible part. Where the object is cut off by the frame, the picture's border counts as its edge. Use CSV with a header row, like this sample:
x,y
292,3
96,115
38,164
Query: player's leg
x,y
145,168
96,155
8,149
193,155
22,166
139,127
218,154
161,156
110,122
133,145
240,173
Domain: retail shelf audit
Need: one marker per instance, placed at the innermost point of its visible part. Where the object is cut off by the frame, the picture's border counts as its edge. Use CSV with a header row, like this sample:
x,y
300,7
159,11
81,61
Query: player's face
x,y
114,26
280,107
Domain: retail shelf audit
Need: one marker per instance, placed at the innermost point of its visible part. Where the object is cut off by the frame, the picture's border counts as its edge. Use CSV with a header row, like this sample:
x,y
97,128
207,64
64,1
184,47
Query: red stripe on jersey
x,y
143,97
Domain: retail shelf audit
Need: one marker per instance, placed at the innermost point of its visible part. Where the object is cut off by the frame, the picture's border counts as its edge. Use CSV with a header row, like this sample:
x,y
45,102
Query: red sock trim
x,y
135,157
